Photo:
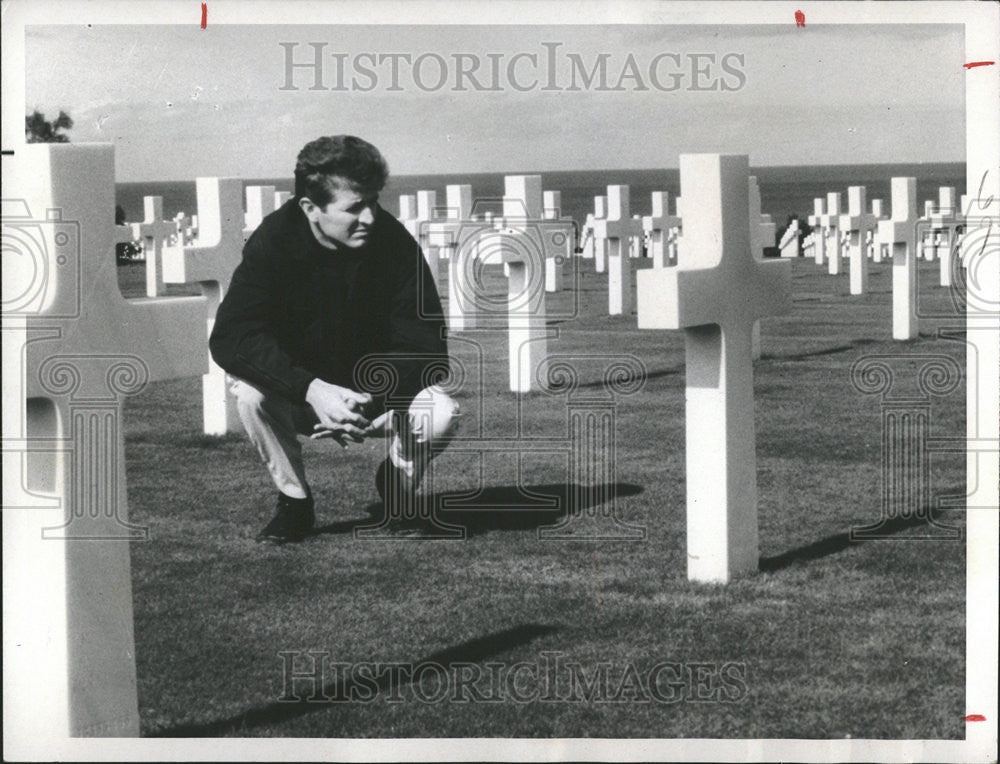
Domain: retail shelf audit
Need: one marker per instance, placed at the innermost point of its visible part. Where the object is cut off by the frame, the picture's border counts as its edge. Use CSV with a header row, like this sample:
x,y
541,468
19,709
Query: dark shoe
x,y
292,522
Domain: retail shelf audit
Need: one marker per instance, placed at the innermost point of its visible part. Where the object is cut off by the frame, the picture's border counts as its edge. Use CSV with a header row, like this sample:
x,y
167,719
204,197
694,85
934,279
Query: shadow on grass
x,y
813,353
475,650
496,508
841,541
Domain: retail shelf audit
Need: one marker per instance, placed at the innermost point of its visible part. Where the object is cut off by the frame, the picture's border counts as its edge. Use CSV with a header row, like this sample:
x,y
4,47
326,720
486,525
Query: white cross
x,y
829,221
260,204
210,262
789,244
758,233
523,255
657,225
926,248
816,221
616,230
73,348
856,224
600,245
945,221
587,237
898,234
154,232
715,293
557,233
408,213
878,212
445,235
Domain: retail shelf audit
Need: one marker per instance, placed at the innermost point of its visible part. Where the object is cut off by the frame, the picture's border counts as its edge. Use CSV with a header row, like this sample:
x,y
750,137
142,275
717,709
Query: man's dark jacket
x,y
296,310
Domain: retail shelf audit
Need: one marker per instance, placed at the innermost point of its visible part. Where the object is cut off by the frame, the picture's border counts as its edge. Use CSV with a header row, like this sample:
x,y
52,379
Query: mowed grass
x,y
832,638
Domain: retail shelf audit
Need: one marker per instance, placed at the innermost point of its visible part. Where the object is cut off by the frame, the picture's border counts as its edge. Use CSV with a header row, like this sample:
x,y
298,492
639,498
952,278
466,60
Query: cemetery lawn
x,y
832,638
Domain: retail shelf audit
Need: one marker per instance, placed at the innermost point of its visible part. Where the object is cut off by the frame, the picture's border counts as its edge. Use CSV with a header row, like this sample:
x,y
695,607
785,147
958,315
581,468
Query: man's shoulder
x,y
278,232
393,236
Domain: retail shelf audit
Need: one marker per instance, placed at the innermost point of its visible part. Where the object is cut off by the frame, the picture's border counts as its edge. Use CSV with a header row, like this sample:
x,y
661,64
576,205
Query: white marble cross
x,y
557,233
878,212
600,245
715,294
587,237
524,256
408,214
789,244
444,234
926,247
945,221
616,230
856,223
830,220
758,235
657,226
154,232
899,235
816,221
73,348
210,261
260,204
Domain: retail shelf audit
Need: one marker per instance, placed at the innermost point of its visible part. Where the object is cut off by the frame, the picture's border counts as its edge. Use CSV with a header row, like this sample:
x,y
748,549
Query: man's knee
x,y
256,403
434,415
248,397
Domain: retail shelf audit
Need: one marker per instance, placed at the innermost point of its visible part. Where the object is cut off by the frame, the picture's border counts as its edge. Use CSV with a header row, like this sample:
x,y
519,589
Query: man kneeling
x,y
331,284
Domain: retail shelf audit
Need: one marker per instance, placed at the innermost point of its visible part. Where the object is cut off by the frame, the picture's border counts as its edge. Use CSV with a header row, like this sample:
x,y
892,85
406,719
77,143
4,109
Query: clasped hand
x,y
339,410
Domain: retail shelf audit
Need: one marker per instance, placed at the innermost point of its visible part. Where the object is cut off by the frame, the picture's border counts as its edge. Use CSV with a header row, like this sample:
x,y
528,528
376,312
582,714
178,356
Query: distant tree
x,y
37,129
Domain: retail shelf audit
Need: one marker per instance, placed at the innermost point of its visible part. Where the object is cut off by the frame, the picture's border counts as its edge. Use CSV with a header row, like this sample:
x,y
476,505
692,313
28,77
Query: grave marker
x,y
587,237
210,262
557,229
73,348
789,244
816,221
831,245
154,232
758,232
899,235
945,221
600,245
616,230
260,204
715,293
857,224
878,212
657,226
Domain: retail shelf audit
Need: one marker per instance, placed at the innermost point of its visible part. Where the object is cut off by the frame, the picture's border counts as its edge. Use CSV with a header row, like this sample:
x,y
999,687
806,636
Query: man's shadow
x,y
491,508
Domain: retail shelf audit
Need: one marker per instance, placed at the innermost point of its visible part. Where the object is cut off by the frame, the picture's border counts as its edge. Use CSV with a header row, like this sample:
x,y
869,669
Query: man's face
x,y
346,222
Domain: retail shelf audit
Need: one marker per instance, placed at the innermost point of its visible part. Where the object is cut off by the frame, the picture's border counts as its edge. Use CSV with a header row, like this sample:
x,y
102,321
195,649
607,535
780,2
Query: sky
x,y
181,101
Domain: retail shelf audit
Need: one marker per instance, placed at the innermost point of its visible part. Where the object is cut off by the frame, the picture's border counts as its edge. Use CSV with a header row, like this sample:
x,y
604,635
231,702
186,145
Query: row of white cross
x,y
865,236
80,348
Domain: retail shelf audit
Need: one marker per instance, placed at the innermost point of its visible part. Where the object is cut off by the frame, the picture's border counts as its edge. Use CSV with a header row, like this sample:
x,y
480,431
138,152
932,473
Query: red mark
x,y
204,15
975,718
800,19
978,63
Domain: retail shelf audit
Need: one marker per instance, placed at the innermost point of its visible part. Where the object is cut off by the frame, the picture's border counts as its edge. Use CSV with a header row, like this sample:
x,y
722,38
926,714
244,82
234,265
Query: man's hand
x,y
339,411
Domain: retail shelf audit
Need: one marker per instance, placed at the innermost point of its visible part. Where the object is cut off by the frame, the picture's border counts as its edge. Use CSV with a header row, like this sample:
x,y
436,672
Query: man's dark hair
x,y
338,156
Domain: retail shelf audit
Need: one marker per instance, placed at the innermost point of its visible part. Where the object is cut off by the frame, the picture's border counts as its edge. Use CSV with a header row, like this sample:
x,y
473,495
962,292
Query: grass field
x,y
832,638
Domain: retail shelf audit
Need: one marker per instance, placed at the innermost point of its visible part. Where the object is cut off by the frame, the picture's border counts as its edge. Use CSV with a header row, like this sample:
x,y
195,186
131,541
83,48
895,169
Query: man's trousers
x,y
273,424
